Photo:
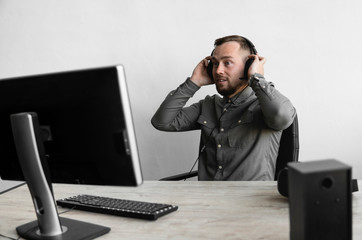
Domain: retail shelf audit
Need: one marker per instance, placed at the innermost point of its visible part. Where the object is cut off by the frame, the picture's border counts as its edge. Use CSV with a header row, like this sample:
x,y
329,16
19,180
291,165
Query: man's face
x,y
228,66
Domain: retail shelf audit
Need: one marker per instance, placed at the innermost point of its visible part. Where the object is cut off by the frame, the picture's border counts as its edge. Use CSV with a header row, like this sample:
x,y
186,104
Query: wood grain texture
x,y
207,210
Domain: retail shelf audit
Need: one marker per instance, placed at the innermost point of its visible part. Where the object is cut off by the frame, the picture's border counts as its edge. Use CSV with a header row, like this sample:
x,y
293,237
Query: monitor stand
x,y
7,185
32,159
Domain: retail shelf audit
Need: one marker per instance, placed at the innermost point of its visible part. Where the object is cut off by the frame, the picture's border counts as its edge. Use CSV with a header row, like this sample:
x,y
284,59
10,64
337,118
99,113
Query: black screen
x,y
85,121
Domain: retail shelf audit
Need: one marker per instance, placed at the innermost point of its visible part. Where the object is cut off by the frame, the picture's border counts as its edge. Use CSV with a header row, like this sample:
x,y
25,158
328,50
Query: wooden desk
x,y
207,210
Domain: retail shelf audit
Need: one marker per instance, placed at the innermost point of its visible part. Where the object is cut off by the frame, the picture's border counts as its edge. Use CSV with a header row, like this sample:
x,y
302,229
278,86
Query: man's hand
x,y
257,66
199,75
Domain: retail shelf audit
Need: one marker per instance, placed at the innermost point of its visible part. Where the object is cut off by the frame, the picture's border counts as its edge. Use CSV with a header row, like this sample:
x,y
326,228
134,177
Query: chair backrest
x,y
289,147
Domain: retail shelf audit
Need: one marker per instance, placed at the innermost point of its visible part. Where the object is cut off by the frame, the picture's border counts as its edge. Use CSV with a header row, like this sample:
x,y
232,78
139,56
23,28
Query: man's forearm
x,y
171,115
277,109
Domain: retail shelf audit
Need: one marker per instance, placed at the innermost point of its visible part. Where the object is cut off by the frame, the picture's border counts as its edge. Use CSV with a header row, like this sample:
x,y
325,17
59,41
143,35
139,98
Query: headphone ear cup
x,y
246,68
209,70
209,66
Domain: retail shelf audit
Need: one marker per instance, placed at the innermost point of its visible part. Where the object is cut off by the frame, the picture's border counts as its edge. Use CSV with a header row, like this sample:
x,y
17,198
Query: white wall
x,y
313,49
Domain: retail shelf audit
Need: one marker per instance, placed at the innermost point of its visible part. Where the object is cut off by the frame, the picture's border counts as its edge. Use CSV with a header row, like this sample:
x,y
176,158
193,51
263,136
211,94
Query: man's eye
x,y
215,64
227,63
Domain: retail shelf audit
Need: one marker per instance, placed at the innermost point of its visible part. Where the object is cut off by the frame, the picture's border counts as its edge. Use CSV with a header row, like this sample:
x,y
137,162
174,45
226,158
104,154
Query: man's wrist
x,y
196,82
192,85
256,77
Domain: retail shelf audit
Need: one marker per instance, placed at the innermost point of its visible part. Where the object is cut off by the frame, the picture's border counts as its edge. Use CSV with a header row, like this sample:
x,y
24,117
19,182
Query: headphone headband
x,y
251,46
247,41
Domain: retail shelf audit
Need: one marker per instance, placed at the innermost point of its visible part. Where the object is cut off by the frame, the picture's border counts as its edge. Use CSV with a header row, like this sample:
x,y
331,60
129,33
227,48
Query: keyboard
x,y
118,207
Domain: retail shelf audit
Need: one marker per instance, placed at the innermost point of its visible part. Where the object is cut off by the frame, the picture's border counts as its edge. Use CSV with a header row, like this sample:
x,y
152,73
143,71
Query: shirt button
x,y
229,101
205,122
225,109
220,167
219,145
221,129
239,121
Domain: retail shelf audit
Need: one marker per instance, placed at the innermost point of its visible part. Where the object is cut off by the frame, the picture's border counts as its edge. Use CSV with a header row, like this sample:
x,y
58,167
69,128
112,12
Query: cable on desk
x,y
65,211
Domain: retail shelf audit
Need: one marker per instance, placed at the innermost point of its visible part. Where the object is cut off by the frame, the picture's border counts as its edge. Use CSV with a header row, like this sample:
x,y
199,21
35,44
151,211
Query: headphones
x,y
247,64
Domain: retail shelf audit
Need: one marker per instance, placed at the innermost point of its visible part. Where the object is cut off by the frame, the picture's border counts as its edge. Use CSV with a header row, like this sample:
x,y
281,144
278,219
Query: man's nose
x,y
220,69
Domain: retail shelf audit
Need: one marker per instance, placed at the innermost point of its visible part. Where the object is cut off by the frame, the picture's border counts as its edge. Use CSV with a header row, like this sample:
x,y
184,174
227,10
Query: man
x,y
240,132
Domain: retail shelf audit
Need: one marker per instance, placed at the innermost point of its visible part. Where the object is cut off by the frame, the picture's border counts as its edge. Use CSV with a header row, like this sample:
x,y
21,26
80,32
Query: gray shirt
x,y
239,136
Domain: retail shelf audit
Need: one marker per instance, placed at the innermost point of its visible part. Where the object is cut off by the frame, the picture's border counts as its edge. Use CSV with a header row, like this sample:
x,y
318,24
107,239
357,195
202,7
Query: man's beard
x,y
230,90
226,92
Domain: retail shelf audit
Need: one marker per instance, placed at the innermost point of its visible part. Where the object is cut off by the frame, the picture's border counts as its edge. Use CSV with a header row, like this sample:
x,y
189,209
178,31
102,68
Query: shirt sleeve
x,y
278,111
172,115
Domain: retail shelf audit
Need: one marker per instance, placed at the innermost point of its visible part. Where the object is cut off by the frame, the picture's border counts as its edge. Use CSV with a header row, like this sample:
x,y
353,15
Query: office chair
x,y
288,152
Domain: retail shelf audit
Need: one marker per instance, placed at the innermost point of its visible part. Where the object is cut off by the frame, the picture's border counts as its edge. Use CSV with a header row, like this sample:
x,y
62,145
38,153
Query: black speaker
x,y
320,200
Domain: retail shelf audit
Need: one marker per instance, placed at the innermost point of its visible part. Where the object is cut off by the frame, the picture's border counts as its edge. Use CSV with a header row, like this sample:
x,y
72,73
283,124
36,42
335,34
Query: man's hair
x,y
233,38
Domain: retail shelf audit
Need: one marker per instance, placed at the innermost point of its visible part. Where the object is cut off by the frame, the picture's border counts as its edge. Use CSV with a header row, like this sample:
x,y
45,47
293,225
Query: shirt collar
x,y
238,98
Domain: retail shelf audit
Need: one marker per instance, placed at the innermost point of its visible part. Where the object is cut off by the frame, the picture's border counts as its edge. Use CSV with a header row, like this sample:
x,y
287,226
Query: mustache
x,y
218,77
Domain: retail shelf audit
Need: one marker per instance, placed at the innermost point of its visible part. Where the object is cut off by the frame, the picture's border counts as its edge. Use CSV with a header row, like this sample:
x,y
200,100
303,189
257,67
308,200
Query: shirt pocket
x,y
243,132
207,125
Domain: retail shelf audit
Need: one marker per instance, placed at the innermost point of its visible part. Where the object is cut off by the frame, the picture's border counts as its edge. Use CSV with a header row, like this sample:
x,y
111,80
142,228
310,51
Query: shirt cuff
x,y
189,87
256,78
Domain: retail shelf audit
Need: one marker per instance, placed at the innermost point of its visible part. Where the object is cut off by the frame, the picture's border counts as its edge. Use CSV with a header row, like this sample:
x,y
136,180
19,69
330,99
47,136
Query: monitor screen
x,y
85,122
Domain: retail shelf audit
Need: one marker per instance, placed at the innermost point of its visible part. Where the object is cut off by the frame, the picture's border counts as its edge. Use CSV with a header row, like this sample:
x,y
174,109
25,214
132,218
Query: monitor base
x,y
73,230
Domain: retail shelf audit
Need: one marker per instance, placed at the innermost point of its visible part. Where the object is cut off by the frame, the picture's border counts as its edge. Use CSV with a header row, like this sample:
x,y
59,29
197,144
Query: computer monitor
x,y
86,124
69,127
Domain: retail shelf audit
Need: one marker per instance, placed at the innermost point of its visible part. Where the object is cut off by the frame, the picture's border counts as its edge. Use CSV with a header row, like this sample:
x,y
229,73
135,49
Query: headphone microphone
x,y
247,64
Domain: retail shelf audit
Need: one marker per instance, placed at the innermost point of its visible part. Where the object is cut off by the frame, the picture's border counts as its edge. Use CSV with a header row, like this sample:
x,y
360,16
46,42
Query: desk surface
x,y
207,210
